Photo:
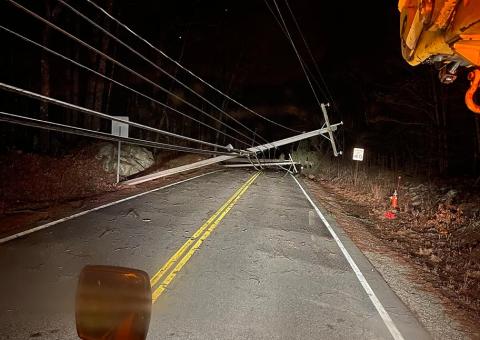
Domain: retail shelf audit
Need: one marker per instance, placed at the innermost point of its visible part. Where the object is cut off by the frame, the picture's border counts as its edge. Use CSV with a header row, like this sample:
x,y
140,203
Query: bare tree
x,y
45,89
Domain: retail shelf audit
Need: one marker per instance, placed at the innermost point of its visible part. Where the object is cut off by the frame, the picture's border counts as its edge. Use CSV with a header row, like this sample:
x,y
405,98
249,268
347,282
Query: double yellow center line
x,y
186,251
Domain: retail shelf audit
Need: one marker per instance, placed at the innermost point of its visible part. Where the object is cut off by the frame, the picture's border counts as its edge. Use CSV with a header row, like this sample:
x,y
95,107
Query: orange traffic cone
x,y
394,201
391,214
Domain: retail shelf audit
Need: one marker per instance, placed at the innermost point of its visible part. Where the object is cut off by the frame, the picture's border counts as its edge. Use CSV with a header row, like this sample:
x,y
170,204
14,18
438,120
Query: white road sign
x,y
358,154
120,129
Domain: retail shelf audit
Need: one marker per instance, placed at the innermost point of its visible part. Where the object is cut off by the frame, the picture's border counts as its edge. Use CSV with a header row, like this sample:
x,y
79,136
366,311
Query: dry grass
x,y
438,231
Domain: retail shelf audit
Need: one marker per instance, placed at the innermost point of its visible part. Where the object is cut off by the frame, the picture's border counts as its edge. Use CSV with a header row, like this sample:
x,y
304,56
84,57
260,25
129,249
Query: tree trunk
x,y
44,135
100,94
74,80
443,131
223,107
438,132
164,117
111,74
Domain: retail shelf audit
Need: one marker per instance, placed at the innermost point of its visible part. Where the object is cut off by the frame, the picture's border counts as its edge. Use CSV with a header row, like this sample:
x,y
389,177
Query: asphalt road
x,y
266,267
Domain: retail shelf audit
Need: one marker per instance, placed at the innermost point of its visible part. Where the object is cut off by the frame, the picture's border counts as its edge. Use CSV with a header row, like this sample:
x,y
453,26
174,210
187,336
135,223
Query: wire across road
x,y
51,126
127,68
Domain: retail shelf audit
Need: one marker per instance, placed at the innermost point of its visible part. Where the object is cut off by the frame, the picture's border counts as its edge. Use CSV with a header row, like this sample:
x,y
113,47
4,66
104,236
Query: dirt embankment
x,y
36,189
436,232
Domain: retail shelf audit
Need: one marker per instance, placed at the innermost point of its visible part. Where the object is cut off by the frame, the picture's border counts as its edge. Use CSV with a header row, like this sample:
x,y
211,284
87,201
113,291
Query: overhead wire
x,y
297,53
282,27
312,57
57,54
66,105
187,70
317,68
51,126
157,67
281,21
123,66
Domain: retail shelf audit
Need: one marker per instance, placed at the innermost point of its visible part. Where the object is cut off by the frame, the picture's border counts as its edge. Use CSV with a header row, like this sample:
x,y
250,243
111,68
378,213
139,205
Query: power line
x,y
326,93
81,42
187,70
282,27
51,126
131,49
314,61
66,105
315,65
297,53
113,80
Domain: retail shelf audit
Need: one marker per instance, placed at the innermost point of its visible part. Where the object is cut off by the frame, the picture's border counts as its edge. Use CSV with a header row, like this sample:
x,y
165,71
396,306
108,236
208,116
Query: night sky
x,y
243,38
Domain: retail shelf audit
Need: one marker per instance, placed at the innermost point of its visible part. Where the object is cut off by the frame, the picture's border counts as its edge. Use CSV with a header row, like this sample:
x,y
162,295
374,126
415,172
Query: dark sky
x,y
341,35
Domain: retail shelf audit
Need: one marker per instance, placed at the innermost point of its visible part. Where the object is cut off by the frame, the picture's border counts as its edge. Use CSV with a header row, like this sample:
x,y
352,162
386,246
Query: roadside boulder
x,y
133,159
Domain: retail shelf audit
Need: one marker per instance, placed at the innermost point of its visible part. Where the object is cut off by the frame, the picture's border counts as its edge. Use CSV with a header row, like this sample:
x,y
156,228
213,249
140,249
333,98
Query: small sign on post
x,y
119,129
358,154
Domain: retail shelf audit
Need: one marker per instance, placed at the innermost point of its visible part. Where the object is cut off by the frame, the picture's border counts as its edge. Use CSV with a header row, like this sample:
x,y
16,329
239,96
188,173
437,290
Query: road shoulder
x,y
398,314
438,316
22,222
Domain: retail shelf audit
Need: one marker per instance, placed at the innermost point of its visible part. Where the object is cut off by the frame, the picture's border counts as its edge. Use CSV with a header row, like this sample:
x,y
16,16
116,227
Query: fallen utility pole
x,y
249,165
329,129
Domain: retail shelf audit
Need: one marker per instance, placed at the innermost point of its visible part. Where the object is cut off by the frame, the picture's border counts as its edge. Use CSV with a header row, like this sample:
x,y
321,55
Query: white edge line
x,y
366,286
47,225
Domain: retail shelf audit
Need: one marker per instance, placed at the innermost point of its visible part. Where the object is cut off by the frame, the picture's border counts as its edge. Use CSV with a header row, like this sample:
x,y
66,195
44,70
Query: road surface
x,y
258,263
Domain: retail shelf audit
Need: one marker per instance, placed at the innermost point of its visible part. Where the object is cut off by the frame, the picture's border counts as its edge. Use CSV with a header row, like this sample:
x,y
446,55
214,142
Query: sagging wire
x,y
297,54
66,105
113,80
157,67
51,126
187,70
317,68
325,92
116,62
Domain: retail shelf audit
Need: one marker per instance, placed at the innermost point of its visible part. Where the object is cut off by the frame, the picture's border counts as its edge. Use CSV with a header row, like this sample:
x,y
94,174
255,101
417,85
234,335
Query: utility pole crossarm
x,y
329,129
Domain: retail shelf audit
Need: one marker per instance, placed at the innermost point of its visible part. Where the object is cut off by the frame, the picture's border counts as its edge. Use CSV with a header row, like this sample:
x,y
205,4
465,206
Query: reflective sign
x,y
120,129
358,154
